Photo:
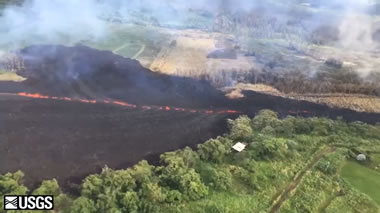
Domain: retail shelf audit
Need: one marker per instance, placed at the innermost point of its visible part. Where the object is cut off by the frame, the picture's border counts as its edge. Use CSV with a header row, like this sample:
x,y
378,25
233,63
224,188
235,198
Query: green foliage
x,y
214,150
148,207
51,187
48,187
303,126
152,192
213,208
219,179
173,196
108,181
326,167
130,202
173,160
321,126
83,205
11,184
265,118
286,127
330,164
192,187
108,188
240,129
190,158
92,186
363,178
142,172
177,176
270,148
308,196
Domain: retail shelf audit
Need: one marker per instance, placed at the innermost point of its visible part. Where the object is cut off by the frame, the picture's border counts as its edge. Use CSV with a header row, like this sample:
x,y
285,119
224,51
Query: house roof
x,y
239,147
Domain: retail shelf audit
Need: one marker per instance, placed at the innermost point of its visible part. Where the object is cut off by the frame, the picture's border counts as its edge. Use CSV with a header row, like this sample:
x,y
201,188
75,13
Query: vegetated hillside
x,y
290,165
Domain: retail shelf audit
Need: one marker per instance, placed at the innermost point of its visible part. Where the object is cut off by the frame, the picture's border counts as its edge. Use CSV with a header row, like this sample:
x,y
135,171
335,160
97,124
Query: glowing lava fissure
x,y
126,104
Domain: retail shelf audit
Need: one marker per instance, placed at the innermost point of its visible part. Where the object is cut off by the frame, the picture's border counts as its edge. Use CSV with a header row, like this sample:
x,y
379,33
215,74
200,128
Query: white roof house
x,y
239,147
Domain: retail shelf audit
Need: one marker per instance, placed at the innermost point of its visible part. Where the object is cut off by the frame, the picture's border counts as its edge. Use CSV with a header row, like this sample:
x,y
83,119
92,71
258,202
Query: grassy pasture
x,y
364,179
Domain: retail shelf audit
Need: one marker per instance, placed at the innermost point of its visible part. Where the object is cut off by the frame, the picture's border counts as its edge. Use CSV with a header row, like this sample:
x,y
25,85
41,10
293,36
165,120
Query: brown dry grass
x,y
357,102
361,103
10,76
189,56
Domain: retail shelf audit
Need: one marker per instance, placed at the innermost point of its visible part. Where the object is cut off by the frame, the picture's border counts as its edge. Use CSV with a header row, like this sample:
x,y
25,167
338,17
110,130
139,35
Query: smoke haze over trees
x,y
83,18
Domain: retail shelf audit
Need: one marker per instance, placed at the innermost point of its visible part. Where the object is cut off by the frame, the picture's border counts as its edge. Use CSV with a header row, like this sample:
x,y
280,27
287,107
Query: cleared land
x,y
10,76
188,51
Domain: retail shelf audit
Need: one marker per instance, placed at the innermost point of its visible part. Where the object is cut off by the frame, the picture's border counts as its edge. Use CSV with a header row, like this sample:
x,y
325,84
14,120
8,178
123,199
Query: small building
x,y
239,147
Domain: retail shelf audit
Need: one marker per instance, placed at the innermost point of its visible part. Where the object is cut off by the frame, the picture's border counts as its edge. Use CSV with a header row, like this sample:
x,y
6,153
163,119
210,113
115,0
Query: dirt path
x,y
120,48
142,49
139,52
293,185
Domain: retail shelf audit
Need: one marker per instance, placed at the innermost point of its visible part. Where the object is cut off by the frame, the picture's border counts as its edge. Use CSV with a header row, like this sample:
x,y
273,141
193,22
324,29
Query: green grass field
x,y
364,179
376,161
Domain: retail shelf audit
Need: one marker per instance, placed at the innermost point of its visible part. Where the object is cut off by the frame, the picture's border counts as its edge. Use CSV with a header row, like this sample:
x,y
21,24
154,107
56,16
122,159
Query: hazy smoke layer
x,y
49,19
45,20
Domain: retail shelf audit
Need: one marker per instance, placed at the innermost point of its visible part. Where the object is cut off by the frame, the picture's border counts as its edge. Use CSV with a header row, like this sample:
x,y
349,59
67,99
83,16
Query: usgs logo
x,y
28,202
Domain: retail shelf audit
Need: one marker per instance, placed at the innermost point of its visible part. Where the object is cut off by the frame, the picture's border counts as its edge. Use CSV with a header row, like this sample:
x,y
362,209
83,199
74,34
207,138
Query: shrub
x,y
173,196
240,129
130,202
213,150
326,167
265,118
221,179
83,205
213,208
48,187
152,192
191,186
270,148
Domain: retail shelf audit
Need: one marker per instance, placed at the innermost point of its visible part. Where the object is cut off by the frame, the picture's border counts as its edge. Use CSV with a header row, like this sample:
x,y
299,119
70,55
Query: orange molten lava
x,y
125,104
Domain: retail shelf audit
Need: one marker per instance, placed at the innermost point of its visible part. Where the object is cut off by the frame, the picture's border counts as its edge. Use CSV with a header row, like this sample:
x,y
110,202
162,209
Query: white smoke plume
x,y
48,19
